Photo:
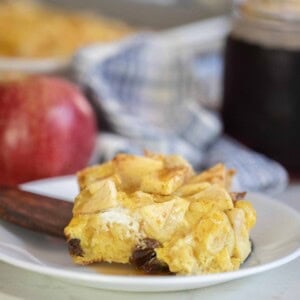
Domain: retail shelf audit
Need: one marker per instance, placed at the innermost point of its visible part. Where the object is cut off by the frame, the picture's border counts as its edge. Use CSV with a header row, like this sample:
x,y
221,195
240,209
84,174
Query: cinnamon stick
x,y
33,211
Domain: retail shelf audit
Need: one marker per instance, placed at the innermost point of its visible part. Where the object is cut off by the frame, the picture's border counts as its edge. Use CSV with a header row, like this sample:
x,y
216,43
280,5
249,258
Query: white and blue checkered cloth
x,y
150,90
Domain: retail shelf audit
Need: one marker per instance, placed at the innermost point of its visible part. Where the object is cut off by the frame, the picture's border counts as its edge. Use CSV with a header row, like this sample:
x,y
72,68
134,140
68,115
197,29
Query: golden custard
x,y
32,30
153,211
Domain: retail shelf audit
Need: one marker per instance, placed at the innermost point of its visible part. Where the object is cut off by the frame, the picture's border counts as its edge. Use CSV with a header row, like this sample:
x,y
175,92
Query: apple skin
x,y
47,128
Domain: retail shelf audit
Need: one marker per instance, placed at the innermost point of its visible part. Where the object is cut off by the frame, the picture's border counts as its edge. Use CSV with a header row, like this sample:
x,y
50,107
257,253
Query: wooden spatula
x,y
33,211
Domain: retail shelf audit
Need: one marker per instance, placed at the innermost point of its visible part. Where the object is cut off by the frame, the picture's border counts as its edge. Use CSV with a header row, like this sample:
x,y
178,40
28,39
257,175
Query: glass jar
x,y
261,92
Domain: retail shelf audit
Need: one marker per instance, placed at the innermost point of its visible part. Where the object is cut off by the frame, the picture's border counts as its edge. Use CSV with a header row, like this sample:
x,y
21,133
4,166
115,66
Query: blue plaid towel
x,y
151,91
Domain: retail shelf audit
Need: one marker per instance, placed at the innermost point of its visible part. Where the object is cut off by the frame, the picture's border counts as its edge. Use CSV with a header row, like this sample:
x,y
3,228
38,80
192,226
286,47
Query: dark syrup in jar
x,y
261,99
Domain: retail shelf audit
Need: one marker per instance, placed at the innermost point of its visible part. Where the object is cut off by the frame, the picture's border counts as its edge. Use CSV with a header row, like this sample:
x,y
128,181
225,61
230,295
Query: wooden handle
x,y
33,211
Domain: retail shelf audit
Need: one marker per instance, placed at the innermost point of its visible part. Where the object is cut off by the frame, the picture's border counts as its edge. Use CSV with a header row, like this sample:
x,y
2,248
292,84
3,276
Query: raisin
x,y
237,196
144,257
74,247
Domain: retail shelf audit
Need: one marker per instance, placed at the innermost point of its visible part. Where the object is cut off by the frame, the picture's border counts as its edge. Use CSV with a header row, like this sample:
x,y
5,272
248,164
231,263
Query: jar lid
x,y
270,23
288,10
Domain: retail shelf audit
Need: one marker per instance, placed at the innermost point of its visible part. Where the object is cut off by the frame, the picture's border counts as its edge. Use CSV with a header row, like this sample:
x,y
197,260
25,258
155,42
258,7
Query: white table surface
x,y
277,284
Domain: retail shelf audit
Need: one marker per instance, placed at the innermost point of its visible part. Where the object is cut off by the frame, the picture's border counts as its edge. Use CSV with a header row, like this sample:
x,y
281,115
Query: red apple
x,y
47,128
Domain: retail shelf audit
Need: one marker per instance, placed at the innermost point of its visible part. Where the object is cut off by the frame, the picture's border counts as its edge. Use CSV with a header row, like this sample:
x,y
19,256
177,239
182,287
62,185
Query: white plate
x,y
276,240
34,65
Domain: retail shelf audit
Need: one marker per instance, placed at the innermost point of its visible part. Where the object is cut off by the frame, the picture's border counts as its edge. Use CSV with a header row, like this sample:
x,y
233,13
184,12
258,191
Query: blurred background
x,y
210,79
153,14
